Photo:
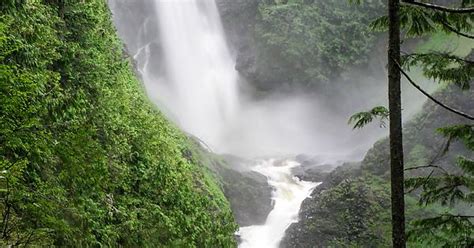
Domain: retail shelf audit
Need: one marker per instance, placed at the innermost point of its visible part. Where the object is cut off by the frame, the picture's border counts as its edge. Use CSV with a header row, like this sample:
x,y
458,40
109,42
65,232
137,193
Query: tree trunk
x,y
396,145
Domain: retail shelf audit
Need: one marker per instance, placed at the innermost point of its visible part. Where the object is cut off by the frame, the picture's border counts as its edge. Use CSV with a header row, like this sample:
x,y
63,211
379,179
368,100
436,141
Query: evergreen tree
x,y
439,185
395,117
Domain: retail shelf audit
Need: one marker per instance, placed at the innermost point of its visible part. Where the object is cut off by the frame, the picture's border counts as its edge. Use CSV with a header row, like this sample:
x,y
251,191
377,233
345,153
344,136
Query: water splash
x,y
199,85
288,195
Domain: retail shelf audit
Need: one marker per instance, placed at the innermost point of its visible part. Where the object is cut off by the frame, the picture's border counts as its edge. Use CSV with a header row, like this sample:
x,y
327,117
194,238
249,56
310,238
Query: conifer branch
x,y
454,30
458,112
439,7
446,55
425,180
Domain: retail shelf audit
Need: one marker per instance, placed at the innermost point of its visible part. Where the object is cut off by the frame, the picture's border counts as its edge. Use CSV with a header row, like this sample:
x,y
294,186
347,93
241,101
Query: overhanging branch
x,y
427,166
445,55
439,7
454,30
429,96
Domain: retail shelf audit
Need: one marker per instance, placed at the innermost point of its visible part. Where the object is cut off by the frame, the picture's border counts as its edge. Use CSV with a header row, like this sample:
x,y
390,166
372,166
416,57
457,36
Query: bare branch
x,y
439,7
458,216
458,112
427,166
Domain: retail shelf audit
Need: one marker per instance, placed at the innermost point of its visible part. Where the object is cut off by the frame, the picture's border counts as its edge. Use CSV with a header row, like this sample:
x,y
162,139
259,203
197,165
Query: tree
x,y
418,19
395,117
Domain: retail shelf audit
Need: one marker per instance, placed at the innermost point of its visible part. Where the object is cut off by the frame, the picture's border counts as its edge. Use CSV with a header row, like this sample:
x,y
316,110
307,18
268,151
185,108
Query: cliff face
x,y
239,19
85,158
283,45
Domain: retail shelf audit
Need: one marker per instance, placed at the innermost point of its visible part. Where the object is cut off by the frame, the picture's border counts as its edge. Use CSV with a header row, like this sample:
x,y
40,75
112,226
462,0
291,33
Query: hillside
x,y
85,158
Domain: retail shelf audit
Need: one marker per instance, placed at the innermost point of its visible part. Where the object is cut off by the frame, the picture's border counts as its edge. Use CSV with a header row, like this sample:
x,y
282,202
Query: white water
x,y
199,87
200,90
288,195
190,74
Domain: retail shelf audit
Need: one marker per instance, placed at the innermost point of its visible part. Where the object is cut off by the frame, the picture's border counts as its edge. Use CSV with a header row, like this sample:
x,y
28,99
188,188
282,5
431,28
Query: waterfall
x,y
199,85
188,71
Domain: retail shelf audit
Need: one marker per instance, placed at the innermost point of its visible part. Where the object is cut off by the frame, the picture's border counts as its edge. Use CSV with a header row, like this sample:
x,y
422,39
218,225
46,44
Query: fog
x,y
188,71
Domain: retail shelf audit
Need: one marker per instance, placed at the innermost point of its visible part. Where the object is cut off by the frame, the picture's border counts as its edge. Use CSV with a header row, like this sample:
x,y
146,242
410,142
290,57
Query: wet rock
x,y
248,192
302,234
312,168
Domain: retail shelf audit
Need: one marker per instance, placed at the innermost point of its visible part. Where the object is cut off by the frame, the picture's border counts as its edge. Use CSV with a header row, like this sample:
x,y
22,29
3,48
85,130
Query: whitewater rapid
x,y
289,192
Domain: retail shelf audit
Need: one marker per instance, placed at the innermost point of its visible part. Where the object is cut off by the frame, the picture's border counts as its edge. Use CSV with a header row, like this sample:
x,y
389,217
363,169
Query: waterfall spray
x,y
199,86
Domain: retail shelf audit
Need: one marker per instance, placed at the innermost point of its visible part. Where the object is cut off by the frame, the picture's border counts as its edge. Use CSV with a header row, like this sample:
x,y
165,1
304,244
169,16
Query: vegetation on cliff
x,y
85,158
299,43
311,42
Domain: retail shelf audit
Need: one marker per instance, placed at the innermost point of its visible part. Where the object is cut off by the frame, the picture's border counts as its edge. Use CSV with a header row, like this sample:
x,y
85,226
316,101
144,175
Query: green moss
x,y
86,159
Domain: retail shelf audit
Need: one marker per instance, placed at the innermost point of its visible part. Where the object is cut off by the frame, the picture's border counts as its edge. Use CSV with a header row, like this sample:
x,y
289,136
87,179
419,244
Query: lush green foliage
x,y
363,118
430,210
85,159
434,181
310,42
444,67
449,188
452,228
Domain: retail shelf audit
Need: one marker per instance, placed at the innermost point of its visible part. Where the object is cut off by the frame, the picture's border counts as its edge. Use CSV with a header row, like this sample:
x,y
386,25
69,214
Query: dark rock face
x,y
238,19
247,191
311,169
249,196
305,233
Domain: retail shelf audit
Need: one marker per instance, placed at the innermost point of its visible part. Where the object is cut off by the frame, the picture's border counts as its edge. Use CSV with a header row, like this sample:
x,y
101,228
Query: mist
x,y
189,72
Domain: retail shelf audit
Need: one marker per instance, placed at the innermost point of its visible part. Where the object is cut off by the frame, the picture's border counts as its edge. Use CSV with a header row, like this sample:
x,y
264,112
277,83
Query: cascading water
x,y
199,86
196,84
180,49
288,195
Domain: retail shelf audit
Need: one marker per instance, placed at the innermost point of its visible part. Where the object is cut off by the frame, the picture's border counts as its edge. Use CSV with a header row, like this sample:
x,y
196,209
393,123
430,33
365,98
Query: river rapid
x,y
289,192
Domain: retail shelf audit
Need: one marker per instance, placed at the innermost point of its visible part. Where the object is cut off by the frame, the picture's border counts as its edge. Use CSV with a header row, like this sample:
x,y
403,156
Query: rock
x,y
239,18
301,234
248,192
312,173
312,168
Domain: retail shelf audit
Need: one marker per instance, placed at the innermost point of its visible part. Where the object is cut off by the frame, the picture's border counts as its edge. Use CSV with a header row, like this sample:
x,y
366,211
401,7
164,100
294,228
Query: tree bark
x,y
396,138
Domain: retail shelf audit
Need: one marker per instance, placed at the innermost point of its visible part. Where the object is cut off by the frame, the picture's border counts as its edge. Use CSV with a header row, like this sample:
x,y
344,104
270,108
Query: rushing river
x,y
289,193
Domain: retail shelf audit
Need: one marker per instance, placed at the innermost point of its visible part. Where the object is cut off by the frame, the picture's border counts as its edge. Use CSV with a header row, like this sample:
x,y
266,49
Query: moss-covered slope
x,y
85,158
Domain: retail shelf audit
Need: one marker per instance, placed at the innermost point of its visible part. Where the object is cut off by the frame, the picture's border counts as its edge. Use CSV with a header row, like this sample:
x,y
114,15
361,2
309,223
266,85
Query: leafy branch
x,y
454,30
363,118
